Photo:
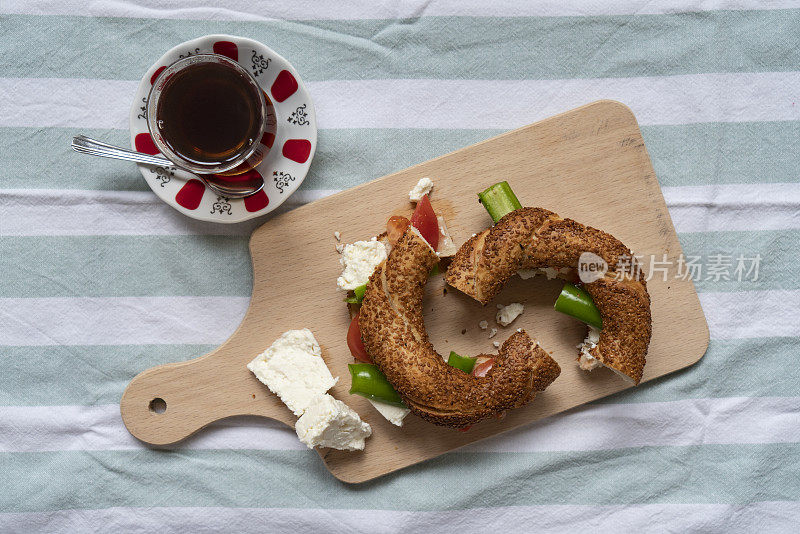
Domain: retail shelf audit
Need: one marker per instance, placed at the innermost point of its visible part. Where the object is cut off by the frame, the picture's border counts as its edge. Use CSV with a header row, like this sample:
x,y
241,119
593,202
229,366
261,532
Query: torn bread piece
x,y
589,357
533,237
394,336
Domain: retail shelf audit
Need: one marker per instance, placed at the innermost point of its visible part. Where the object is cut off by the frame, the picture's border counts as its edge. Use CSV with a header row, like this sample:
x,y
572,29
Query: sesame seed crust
x,y
393,332
531,238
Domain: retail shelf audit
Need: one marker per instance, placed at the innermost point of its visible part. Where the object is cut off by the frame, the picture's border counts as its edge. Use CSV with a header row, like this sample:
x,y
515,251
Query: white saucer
x,y
287,162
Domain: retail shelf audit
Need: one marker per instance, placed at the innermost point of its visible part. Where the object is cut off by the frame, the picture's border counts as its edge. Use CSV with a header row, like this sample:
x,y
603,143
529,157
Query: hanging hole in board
x,y
158,405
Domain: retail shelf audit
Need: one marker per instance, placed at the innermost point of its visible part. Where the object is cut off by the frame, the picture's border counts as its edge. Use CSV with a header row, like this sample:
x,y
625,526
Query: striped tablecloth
x,y
100,280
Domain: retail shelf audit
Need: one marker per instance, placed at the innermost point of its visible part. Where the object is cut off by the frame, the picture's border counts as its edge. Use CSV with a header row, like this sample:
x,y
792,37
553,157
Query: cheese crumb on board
x,y
507,314
423,187
359,260
328,422
293,369
393,414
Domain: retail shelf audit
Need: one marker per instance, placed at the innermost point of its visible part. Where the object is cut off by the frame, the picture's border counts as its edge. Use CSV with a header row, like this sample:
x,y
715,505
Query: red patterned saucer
x,y
291,148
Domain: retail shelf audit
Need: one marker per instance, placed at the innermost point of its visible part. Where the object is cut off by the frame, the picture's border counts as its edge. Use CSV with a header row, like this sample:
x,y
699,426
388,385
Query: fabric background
x,y
100,280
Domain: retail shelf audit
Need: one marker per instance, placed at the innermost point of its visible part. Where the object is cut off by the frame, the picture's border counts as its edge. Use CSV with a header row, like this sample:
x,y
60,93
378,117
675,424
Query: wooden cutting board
x,y
589,164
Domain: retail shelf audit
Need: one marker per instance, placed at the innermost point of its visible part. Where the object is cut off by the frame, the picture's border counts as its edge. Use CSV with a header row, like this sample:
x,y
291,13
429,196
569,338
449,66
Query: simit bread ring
x,y
534,237
394,336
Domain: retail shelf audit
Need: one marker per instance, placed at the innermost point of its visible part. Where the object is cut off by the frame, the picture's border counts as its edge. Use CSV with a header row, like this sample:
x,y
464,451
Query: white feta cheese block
x,y
393,414
587,361
507,314
359,260
293,369
328,422
423,187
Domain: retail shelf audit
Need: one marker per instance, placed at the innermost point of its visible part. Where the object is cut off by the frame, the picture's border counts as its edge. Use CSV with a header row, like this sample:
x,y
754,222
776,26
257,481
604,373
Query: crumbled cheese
x,y
423,187
339,248
587,361
359,260
550,272
492,333
393,414
337,235
328,422
484,325
293,368
507,314
496,344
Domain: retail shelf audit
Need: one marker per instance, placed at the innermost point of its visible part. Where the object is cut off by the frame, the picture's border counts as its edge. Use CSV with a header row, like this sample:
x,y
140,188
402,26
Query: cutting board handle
x,y
168,403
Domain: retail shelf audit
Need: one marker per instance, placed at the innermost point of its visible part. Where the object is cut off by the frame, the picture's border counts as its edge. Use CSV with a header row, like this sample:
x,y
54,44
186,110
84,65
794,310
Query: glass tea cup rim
x,y
152,106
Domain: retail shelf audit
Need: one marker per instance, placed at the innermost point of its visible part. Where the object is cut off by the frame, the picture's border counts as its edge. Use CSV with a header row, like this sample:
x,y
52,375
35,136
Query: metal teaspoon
x,y
233,188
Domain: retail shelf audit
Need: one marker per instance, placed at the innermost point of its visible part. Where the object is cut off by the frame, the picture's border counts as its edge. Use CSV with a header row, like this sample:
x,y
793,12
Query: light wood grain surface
x,y
588,164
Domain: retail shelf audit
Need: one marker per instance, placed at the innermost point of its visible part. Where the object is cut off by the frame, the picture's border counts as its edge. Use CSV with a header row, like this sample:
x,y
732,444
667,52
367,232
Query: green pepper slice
x,y
499,200
369,382
465,363
576,302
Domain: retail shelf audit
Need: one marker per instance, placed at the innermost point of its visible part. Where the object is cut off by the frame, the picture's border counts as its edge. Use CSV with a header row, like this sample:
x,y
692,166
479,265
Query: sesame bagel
x,y
394,336
531,238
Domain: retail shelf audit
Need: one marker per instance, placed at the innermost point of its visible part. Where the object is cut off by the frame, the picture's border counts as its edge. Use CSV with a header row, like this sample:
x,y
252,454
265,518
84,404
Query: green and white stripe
x,y
102,280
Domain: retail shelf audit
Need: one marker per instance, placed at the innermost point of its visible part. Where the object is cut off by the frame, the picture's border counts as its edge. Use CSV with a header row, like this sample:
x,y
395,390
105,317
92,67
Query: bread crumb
x,y
340,248
492,333
484,325
337,235
496,344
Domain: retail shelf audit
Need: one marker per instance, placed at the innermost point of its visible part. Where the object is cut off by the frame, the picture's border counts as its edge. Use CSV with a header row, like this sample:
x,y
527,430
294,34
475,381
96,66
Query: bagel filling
x,y
587,361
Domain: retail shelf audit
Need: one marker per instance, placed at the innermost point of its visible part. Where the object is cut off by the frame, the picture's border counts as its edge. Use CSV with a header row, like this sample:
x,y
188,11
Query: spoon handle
x,y
87,145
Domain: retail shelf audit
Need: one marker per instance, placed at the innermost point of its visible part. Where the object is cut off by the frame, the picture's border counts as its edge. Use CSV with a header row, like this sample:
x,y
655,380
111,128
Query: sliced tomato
x,y
483,367
396,227
354,342
424,220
